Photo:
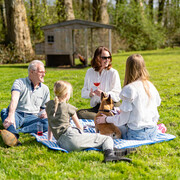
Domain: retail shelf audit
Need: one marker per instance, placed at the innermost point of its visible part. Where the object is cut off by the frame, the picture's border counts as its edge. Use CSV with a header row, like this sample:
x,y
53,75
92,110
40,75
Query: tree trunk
x,y
69,9
2,14
65,10
32,16
60,9
104,16
86,9
100,13
96,8
160,10
119,2
17,25
151,9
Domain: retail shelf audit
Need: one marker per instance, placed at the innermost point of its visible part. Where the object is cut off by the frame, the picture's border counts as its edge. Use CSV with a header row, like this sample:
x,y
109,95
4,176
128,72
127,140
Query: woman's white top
x,y
109,83
138,110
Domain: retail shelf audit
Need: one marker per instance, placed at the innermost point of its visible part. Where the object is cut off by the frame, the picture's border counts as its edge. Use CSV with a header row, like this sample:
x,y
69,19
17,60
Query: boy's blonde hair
x,y
136,69
60,90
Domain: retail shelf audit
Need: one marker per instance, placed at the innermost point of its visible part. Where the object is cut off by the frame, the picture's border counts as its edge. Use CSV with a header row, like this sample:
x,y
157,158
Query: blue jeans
x,y
25,122
142,134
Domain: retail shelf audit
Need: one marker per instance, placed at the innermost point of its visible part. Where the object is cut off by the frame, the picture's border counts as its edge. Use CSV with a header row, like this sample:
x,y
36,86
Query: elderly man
x,y
28,98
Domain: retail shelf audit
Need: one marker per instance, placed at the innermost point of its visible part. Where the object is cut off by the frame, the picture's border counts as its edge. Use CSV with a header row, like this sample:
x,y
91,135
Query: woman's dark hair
x,y
96,61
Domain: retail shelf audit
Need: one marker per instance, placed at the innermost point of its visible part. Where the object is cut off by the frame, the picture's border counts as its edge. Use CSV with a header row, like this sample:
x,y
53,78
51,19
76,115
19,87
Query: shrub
x,y
138,31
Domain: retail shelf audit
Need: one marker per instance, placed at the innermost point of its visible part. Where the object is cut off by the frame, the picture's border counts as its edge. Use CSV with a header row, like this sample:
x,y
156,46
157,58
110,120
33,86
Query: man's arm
x,y
12,108
42,113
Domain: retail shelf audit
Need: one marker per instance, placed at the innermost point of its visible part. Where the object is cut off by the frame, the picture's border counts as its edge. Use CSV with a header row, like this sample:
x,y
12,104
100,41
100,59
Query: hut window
x,y
50,39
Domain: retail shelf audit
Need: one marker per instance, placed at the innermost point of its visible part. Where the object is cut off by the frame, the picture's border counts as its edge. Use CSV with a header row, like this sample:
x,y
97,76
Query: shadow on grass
x,y
59,67
153,53
13,66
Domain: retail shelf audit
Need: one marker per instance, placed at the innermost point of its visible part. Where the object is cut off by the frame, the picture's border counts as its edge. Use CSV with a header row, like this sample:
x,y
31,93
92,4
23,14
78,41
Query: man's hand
x,y
10,120
101,119
42,114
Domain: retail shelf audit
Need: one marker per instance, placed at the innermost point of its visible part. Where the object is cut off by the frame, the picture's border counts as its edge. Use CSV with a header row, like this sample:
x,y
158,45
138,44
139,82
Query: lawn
x,y
33,160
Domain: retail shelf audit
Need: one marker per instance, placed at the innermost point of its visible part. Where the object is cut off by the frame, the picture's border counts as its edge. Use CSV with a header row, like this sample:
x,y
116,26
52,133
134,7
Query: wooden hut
x,y
60,45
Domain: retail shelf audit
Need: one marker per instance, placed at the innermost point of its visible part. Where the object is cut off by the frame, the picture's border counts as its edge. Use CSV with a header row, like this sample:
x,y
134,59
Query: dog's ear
x,y
109,98
102,95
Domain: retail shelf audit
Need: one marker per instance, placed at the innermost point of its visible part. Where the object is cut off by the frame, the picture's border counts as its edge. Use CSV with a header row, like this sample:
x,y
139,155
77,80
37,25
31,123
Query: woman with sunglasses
x,y
105,77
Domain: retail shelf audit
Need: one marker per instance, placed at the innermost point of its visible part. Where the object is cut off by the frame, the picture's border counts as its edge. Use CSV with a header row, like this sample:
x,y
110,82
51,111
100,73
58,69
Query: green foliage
x,y
158,161
9,54
133,26
39,15
61,11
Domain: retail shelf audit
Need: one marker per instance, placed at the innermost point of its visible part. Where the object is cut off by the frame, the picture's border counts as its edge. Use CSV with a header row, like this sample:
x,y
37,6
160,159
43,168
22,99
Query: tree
x,y
17,27
32,16
151,9
160,10
3,21
100,13
104,16
60,9
69,9
65,10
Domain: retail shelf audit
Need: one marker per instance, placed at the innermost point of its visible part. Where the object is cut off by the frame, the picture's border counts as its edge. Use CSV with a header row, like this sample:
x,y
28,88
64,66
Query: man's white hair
x,y
33,65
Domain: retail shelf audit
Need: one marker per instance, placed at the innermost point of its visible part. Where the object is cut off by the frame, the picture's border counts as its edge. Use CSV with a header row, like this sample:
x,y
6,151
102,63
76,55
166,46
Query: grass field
x,y
32,160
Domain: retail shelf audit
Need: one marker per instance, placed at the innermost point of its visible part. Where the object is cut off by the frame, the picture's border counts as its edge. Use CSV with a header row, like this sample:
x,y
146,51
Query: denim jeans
x,y
25,122
142,134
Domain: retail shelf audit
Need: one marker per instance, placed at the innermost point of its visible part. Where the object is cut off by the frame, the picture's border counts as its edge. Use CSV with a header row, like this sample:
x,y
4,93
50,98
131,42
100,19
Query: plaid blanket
x,y
118,143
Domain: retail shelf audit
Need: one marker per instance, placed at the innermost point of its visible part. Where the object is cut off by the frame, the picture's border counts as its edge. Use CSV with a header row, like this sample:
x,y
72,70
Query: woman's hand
x,y
101,119
91,94
98,92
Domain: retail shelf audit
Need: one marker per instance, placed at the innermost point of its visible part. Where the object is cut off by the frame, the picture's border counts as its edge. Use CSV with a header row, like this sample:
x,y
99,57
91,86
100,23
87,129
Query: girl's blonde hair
x,y
61,89
136,69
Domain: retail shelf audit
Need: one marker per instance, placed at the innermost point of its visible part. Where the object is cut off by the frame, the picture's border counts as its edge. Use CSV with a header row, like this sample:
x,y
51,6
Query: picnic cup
x,y
39,129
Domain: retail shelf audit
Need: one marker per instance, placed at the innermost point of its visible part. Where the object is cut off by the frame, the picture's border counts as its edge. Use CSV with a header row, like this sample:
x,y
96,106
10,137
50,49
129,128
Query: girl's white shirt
x,y
109,83
138,110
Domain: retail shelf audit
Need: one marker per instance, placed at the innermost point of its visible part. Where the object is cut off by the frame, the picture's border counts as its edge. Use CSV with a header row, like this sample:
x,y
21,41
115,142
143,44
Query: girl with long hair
x,y
138,112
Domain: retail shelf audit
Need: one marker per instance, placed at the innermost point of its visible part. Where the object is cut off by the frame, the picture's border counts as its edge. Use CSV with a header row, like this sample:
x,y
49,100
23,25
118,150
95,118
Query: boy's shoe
x,y
9,138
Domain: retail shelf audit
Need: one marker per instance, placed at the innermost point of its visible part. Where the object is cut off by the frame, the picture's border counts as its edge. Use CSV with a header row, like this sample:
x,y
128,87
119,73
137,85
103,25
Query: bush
x,y
138,31
10,55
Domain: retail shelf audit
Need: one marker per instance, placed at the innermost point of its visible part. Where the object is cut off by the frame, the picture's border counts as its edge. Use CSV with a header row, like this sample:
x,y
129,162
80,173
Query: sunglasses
x,y
105,57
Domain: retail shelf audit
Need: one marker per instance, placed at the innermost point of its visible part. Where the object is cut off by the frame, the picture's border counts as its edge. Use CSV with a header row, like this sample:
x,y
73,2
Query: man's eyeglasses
x,y
106,57
41,72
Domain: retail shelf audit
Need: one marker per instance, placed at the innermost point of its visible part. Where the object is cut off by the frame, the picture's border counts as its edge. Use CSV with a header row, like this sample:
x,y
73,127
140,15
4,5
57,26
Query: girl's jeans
x,y
75,140
25,122
142,134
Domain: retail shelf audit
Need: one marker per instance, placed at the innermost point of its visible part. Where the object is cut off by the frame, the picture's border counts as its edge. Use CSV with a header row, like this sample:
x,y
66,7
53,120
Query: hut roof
x,y
77,24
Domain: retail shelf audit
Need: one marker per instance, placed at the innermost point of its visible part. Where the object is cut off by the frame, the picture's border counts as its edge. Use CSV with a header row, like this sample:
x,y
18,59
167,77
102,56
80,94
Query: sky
x,y
51,2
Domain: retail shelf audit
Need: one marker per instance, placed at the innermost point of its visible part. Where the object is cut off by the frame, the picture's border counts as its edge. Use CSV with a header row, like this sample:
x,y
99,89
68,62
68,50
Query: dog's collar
x,y
105,110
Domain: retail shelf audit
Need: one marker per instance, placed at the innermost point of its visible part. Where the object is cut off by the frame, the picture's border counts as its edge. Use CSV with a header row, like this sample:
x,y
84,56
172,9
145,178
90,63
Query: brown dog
x,y
108,129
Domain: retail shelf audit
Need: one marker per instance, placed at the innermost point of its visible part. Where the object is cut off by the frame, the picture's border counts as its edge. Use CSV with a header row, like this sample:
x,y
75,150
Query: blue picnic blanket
x,y
118,143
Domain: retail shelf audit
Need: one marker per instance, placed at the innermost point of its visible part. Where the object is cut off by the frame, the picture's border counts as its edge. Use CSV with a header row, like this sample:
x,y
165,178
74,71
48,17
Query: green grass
x,y
158,161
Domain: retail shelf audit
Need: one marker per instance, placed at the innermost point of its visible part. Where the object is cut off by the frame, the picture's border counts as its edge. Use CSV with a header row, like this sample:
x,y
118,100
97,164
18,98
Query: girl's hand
x,y
101,119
